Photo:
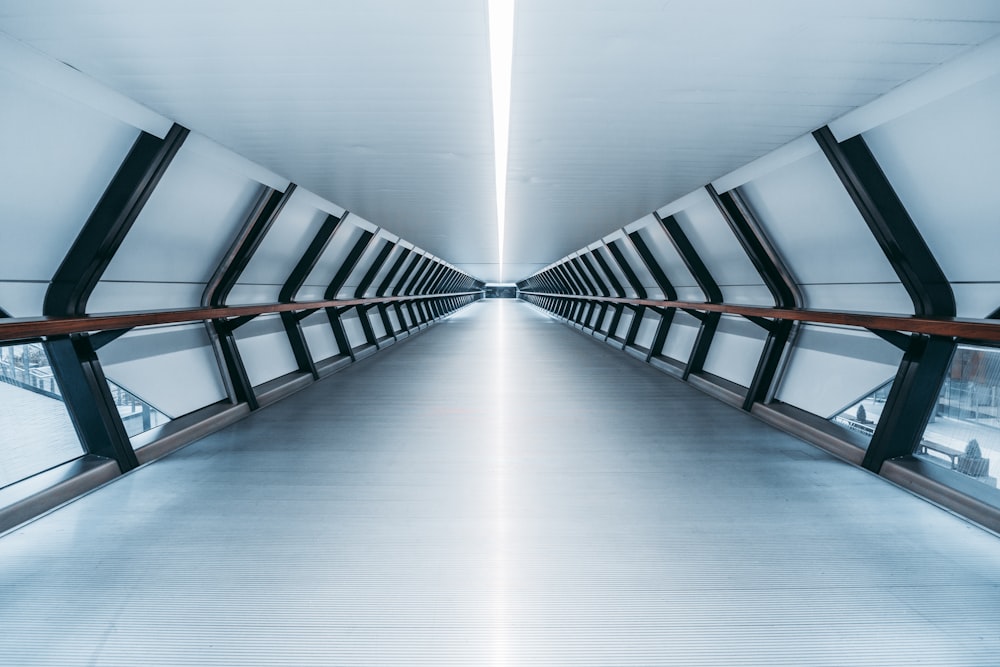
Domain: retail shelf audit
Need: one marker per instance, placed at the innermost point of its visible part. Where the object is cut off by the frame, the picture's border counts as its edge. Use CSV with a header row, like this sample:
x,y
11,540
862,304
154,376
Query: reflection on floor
x,y
499,491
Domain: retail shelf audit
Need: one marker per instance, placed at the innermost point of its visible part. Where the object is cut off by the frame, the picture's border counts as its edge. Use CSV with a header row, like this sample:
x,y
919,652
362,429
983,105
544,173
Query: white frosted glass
x,y
188,224
735,351
871,298
680,337
829,369
624,322
976,299
319,336
252,293
23,299
818,232
58,157
352,327
174,369
942,160
714,242
111,297
286,242
647,331
670,261
265,350
330,261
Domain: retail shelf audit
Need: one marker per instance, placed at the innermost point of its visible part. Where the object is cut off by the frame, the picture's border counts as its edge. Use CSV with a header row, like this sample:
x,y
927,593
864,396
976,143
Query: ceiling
x,y
384,108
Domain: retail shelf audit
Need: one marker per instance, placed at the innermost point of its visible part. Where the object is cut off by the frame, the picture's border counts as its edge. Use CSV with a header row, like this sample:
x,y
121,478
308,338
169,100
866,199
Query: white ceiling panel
x,y
618,108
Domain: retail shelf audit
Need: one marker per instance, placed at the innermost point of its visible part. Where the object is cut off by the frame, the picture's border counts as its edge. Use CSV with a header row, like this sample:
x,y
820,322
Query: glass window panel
x,y
964,431
942,160
736,349
37,431
681,337
137,415
265,349
830,370
722,254
670,262
319,336
817,230
58,157
863,415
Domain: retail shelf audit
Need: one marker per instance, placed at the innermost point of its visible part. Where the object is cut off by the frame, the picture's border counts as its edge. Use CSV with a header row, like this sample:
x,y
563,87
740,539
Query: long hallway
x,y
500,490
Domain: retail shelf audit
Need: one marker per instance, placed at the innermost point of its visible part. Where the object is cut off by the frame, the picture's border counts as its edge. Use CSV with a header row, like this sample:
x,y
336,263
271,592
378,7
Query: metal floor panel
x,y
499,491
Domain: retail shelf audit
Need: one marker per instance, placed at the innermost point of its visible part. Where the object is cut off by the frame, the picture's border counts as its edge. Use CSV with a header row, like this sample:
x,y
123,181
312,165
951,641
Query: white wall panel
x,y
721,253
281,249
265,350
942,160
111,297
352,327
319,336
735,350
619,274
830,368
384,271
329,262
181,235
58,156
670,262
680,337
647,330
623,324
23,299
376,321
817,230
174,368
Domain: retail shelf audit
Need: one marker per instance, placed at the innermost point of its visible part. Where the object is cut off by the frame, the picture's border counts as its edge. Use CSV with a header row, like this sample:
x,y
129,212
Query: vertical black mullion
x,y
927,359
73,359
297,277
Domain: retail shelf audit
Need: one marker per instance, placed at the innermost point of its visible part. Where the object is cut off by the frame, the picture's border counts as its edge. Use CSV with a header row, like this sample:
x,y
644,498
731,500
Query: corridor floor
x,y
499,490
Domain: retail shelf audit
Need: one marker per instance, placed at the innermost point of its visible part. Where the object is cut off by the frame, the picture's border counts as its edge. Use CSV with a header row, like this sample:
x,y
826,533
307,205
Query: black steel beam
x,y
293,321
589,287
911,400
926,360
776,276
116,211
73,359
88,399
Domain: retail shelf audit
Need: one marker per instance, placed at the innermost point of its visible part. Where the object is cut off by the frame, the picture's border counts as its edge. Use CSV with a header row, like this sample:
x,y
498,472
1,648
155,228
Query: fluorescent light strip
x,y
501,59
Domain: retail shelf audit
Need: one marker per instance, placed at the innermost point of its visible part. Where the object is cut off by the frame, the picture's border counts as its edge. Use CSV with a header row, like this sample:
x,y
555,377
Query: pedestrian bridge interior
x,y
340,335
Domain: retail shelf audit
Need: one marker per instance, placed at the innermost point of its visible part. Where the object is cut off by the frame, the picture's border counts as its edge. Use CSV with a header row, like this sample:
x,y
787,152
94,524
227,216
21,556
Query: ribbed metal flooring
x,y
499,491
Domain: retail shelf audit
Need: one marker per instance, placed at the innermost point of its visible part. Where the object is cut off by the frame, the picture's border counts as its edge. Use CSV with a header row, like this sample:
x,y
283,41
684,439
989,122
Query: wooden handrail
x,y
950,327
23,328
